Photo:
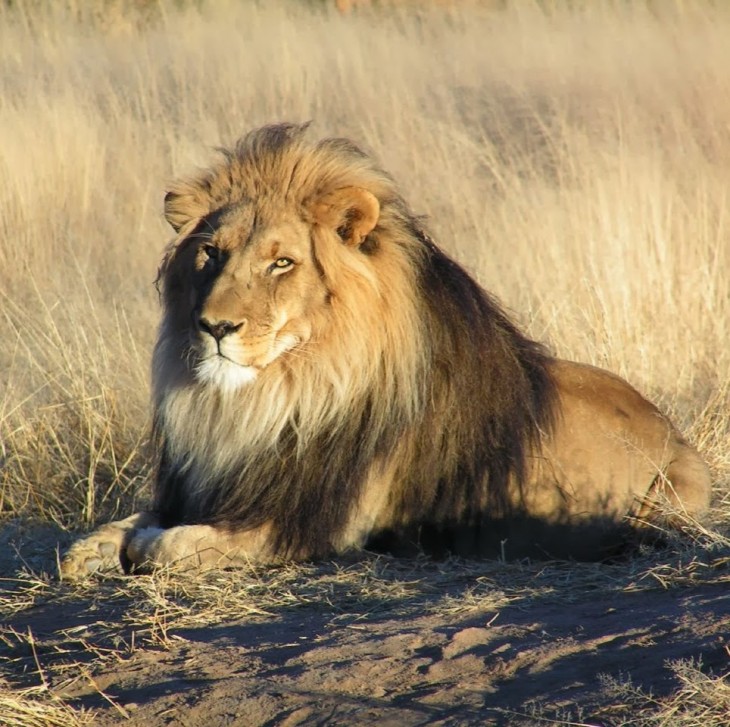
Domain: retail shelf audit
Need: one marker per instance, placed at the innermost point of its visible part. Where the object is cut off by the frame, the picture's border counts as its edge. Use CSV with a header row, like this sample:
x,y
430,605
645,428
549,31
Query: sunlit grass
x,y
575,161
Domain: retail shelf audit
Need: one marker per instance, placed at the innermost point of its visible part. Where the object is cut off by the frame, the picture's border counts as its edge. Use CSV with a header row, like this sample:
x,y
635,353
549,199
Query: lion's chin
x,y
222,373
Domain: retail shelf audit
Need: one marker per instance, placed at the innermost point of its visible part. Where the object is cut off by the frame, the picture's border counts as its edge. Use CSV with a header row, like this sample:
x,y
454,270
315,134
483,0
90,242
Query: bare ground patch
x,y
370,640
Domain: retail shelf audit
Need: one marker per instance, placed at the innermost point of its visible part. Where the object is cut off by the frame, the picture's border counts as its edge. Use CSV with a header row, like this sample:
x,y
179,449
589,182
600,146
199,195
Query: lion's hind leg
x,y
681,494
104,550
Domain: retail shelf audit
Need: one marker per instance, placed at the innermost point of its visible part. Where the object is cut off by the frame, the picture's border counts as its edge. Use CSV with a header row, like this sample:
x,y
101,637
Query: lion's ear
x,y
352,211
182,207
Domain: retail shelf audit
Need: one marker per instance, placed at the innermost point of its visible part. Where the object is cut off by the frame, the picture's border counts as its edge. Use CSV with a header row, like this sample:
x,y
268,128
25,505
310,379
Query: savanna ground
x,y
575,156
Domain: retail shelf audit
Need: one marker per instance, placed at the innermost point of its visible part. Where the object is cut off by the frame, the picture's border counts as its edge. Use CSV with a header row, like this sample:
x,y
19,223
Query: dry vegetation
x,y
575,156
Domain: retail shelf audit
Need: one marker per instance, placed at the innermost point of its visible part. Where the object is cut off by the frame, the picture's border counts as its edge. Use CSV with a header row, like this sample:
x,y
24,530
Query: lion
x,y
326,378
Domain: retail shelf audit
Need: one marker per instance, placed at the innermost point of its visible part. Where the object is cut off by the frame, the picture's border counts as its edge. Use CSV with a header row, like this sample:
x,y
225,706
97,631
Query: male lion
x,y
325,378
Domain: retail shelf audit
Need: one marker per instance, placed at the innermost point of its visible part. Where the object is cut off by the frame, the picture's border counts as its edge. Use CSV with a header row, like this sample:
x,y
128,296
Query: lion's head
x,y
253,277
288,287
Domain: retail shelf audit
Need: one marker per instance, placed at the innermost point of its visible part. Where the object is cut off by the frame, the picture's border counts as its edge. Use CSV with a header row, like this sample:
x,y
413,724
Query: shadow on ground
x,y
440,653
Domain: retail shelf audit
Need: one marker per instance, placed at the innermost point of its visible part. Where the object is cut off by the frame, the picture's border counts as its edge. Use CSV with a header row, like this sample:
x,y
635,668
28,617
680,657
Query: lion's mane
x,y
421,373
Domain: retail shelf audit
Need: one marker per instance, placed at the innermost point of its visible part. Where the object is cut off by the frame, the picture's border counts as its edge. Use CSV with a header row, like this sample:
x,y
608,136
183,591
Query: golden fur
x,y
325,377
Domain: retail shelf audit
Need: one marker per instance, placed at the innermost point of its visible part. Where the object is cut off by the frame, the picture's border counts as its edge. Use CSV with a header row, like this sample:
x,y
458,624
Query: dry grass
x,y
701,700
574,156
575,160
37,707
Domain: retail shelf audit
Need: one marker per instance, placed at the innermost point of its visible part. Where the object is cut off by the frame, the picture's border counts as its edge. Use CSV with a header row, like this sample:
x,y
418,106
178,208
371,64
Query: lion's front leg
x,y
103,551
198,547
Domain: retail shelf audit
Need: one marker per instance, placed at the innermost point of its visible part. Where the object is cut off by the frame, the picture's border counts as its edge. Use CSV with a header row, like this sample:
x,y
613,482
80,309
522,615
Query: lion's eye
x,y
281,264
210,257
212,252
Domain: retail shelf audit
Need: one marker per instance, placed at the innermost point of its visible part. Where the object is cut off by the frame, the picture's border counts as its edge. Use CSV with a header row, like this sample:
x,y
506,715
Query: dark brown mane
x,y
486,396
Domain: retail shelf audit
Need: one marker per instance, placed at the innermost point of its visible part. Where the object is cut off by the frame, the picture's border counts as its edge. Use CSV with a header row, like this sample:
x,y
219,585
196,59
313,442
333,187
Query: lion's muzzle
x,y
219,329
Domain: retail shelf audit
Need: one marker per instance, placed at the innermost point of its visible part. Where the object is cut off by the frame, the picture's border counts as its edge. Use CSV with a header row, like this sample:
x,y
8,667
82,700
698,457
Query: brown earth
x,y
371,641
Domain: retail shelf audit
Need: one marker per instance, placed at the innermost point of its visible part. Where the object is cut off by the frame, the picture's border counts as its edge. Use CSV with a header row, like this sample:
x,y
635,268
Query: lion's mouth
x,y
232,364
224,373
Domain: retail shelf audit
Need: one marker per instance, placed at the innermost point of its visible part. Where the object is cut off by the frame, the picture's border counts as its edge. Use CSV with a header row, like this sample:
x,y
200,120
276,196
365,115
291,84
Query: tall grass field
x,y
574,156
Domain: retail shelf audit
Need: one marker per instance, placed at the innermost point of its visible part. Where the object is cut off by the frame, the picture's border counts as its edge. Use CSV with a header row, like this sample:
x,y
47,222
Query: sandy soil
x,y
467,649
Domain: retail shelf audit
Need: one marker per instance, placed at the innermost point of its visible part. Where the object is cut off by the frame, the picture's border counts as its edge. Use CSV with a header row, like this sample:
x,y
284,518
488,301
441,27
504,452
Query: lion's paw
x,y
99,553
104,551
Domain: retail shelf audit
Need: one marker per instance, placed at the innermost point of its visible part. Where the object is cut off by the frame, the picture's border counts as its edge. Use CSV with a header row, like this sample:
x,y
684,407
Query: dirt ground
x,y
366,640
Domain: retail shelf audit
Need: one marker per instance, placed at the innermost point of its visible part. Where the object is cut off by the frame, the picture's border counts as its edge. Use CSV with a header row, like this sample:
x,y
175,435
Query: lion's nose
x,y
218,329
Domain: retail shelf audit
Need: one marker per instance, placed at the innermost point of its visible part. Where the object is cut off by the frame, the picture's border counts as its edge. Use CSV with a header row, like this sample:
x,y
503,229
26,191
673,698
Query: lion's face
x,y
254,288
248,286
